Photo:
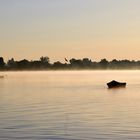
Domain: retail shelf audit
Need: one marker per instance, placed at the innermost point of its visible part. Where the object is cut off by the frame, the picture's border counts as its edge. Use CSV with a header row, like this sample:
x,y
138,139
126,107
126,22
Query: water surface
x,y
69,105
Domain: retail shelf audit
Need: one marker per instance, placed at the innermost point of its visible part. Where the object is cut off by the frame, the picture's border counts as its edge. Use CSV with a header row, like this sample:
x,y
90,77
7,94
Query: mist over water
x,y
69,105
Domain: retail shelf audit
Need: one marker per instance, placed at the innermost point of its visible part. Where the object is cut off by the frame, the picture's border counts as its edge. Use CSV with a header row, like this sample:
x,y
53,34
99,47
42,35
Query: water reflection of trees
x,y
44,64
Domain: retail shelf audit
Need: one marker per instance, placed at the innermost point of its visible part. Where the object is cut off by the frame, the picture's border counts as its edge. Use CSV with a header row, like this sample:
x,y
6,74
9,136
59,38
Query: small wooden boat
x,y
115,84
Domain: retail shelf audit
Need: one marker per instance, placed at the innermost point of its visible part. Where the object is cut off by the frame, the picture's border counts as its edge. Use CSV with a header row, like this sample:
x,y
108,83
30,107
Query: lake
x,y
69,105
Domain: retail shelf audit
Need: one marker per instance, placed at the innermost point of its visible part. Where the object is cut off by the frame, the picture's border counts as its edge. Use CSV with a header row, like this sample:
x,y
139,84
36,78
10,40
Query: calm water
x,y
69,105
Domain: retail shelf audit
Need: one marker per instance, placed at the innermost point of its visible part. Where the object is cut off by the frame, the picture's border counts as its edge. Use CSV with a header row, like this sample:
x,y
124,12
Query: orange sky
x,y
76,28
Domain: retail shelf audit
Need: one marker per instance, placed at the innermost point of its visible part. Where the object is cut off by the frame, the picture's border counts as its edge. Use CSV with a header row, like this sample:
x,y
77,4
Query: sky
x,y
70,28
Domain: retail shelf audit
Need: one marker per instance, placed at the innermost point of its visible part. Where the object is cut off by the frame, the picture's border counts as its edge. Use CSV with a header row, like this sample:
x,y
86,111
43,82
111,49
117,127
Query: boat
x,y
115,84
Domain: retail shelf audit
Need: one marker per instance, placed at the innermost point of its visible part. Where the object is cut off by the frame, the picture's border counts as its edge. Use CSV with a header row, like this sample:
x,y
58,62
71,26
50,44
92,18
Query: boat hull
x,y
115,84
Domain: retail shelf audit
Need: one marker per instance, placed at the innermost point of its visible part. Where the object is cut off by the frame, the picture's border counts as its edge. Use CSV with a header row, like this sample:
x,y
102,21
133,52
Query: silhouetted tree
x,y
86,62
76,63
2,64
59,65
44,62
23,64
36,64
114,64
103,63
11,63
44,59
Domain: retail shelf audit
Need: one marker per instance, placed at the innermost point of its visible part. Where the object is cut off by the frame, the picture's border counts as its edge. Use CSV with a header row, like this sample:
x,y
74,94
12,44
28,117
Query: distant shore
x,y
73,64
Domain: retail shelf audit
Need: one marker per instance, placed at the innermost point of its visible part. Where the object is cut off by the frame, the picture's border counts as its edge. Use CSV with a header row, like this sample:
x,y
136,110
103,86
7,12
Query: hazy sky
x,y
70,28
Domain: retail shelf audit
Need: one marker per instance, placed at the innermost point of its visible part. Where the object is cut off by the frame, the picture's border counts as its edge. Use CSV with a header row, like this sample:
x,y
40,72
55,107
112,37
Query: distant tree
x,y
11,63
44,59
35,64
114,61
87,61
103,63
125,63
77,63
45,62
59,65
114,64
2,64
23,64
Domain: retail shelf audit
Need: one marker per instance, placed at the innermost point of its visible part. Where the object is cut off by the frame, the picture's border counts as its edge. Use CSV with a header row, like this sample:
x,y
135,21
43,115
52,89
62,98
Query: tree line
x,y
44,64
